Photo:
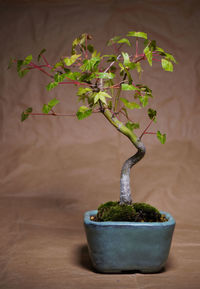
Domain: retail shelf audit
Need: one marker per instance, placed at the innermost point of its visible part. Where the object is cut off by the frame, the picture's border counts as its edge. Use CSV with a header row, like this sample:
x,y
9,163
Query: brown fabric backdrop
x,y
52,170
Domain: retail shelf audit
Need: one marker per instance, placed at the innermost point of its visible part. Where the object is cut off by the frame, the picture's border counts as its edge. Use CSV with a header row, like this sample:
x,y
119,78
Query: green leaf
x,y
137,34
126,58
25,114
170,57
105,75
161,137
143,99
132,125
90,48
23,72
48,107
27,60
101,95
113,40
58,64
124,40
70,60
19,65
82,91
90,64
51,85
130,105
83,112
126,86
166,64
152,113
40,54
149,55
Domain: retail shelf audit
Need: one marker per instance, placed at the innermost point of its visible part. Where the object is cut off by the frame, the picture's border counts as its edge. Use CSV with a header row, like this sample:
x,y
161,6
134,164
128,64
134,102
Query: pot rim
x,y
88,221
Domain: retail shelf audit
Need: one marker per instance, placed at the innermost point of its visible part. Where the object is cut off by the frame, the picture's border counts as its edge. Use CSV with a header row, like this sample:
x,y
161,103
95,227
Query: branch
x,y
145,131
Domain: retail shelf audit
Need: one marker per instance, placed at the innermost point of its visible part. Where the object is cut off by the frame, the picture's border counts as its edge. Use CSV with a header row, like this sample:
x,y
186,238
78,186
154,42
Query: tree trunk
x,y
125,190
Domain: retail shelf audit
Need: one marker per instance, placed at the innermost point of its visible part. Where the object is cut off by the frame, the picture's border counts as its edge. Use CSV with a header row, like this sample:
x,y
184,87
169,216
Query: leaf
x,y
48,107
137,34
126,58
143,99
130,105
83,112
149,55
126,86
170,57
161,137
82,91
90,64
58,64
132,125
51,85
124,40
70,60
152,113
113,40
90,48
166,65
101,95
27,60
40,54
25,114
23,72
105,75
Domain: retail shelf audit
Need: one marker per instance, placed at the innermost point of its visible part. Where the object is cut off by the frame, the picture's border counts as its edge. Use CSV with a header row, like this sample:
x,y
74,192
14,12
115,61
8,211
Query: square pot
x,y
115,247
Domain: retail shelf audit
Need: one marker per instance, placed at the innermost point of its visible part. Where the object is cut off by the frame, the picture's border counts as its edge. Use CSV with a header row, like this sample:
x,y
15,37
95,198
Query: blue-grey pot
x,y
116,247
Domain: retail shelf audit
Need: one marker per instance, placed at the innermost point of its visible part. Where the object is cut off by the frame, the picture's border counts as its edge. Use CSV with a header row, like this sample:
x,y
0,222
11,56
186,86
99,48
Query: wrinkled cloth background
x,y
53,170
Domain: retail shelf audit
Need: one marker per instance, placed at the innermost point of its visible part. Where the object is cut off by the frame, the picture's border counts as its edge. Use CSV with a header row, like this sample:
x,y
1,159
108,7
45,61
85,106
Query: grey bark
x,y
125,190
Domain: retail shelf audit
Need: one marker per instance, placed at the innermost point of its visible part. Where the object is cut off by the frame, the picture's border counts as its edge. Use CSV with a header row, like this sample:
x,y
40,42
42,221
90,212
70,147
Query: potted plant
x,y
121,235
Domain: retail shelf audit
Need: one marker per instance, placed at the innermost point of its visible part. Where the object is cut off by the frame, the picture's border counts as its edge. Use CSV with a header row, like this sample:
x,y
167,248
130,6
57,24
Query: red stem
x,y
145,131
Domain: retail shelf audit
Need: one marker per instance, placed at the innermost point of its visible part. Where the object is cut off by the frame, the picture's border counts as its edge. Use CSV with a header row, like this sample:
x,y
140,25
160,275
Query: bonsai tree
x,y
100,80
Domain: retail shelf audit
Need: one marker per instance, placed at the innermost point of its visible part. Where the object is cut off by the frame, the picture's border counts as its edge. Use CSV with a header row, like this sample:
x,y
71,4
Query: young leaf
x,y
126,58
161,137
137,34
23,72
105,75
25,114
90,64
27,60
101,95
83,112
83,90
132,125
130,105
40,54
48,107
143,99
113,40
149,55
124,40
70,60
126,86
51,85
166,64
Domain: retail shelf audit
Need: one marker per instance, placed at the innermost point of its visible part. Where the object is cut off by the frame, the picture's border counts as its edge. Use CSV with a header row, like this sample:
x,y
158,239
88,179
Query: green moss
x,y
146,213
136,212
113,211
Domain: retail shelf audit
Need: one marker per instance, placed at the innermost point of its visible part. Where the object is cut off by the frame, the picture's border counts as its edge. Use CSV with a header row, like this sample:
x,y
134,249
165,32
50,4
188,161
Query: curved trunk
x,y
125,191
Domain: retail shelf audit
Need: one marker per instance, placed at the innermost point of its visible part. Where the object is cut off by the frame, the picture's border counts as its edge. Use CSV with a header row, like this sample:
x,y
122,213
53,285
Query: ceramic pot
x,y
115,247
